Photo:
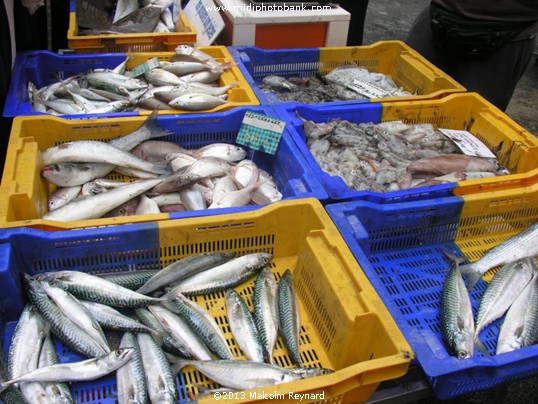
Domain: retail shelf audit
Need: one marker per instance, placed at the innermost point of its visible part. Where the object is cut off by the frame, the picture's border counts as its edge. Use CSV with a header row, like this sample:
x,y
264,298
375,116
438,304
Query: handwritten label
x,y
468,143
261,132
146,67
367,89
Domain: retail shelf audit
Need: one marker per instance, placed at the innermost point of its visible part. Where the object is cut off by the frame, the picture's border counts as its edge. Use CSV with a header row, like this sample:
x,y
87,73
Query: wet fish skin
x,y
160,77
519,246
62,196
224,151
196,102
58,392
131,378
74,174
457,321
266,311
288,315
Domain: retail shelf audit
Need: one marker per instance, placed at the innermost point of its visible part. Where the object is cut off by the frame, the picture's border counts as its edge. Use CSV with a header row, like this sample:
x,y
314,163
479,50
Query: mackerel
x,y
58,392
288,314
266,311
184,268
520,325
77,312
89,369
501,292
117,83
130,378
246,375
519,246
95,289
222,277
457,321
61,325
159,376
243,326
203,324
131,280
112,319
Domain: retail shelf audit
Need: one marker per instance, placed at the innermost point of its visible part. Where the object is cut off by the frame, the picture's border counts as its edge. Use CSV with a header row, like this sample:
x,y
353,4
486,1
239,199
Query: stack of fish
x,y
160,334
512,291
392,156
186,82
344,83
125,16
169,177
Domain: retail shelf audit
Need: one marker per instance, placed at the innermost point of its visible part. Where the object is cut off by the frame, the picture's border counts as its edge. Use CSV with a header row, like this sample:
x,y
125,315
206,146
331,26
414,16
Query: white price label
x,y
367,89
468,143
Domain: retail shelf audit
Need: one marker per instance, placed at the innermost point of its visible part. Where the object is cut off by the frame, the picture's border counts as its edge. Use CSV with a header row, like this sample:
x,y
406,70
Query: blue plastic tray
x,y
335,186
400,248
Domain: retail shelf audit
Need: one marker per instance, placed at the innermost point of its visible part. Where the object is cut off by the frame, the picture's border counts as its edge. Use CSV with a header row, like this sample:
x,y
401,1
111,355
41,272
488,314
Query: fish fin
x,y
155,130
458,259
471,276
480,346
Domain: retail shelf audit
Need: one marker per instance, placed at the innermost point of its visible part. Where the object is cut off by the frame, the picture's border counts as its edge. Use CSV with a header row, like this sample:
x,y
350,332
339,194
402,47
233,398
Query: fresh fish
x,y
519,246
99,290
243,326
114,82
111,319
74,174
208,167
245,173
169,344
520,326
202,324
184,268
189,53
167,199
182,68
77,312
503,289
203,88
223,186
96,206
11,395
268,191
241,197
176,182
61,325
161,77
93,151
224,151
279,83
132,172
224,276
288,315
246,375
91,189
449,163
177,207
62,196
125,209
266,311
57,392
64,107
157,150
159,377
457,321
206,77
89,369
196,102
146,206
192,199
130,378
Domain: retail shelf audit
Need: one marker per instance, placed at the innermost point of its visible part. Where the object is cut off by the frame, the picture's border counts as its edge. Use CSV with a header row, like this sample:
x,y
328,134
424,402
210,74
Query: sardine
x,y
288,315
457,321
519,246
266,311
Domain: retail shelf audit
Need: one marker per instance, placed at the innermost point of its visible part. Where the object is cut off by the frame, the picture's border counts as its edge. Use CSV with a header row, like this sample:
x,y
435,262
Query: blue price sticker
x,y
261,132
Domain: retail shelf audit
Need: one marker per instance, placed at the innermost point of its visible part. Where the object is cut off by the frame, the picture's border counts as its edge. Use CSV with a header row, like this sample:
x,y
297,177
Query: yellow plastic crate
x,y
406,66
344,324
120,43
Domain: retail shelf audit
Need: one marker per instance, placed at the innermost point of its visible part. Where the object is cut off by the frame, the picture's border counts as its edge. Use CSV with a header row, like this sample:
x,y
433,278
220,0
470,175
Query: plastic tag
x,y
468,143
260,132
146,67
368,89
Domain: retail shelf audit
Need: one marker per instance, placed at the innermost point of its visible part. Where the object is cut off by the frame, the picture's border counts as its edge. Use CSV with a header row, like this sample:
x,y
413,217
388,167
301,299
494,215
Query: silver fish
x,y
111,319
222,277
246,375
176,182
520,326
130,378
202,88
161,77
243,326
184,67
245,173
74,174
266,311
62,196
129,279
223,186
196,102
241,197
288,315
146,206
114,82
457,321
187,52
192,199
89,369
519,246
224,151
57,392
157,150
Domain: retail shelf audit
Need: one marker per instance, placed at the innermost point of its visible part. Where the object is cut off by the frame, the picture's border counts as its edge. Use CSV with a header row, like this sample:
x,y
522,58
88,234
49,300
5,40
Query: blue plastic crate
x,y
336,188
400,247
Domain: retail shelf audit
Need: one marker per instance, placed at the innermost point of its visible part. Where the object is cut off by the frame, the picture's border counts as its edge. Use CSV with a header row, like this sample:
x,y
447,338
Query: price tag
x,y
261,132
146,67
367,89
468,143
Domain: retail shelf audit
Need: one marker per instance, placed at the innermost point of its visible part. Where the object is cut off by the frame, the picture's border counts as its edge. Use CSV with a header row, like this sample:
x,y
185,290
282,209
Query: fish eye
x,y
462,354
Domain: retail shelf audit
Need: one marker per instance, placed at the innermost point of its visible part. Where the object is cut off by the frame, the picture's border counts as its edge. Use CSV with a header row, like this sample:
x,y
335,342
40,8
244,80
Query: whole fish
x,y
114,82
243,326
208,167
77,312
181,332
457,323
96,206
520,326
222,277
196,102
202,88
89,369
57,392
189,53
288,315
503,289
61,325
224,151
74,174
519,246
160,379
202,324
130,378
161,77
95,289
184,67
246,375
111,319
266,311
449,163
184,268
62,196
93,151
114,106
206,77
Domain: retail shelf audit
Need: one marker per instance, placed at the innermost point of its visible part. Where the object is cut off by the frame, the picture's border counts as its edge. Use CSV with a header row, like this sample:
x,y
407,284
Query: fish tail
x,y
5,385
154,129
471,275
